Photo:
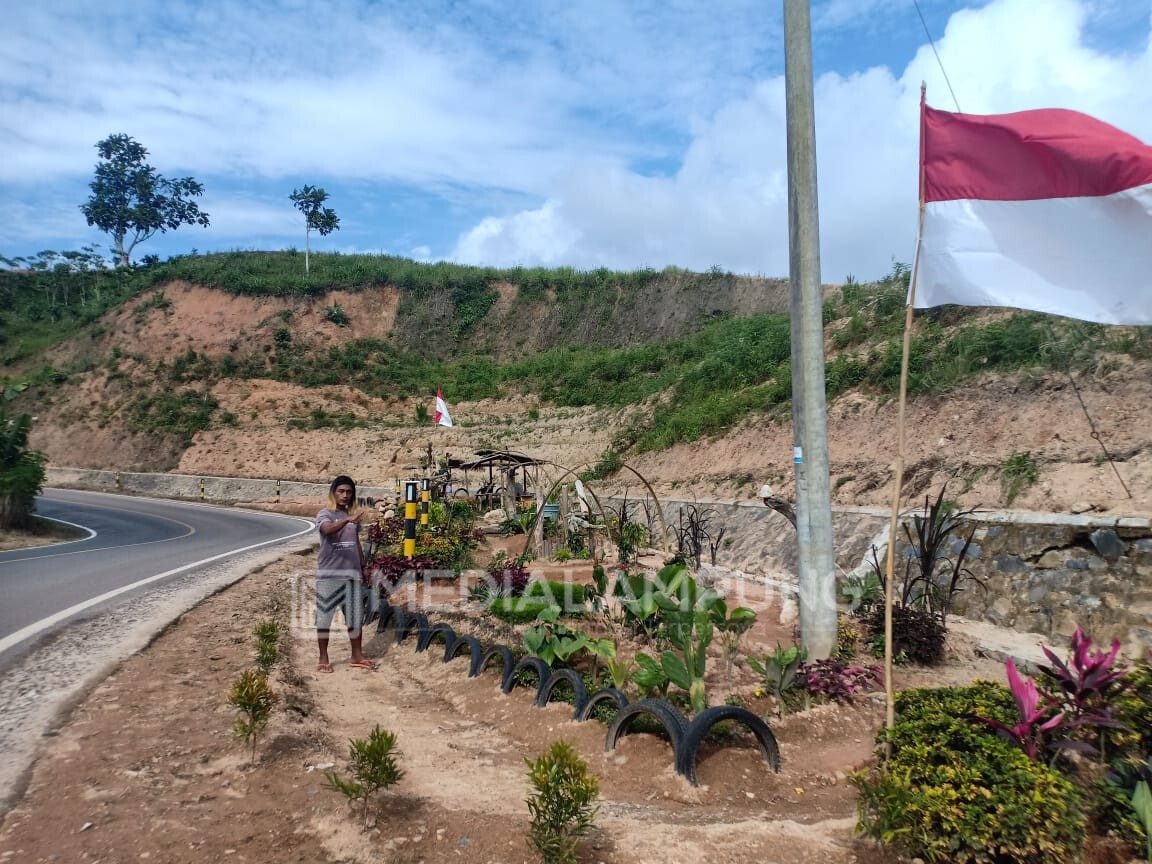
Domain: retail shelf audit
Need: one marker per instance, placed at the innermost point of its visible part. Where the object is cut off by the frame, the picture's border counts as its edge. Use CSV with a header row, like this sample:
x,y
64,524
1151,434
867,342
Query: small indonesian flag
x,y
1047,210
443,418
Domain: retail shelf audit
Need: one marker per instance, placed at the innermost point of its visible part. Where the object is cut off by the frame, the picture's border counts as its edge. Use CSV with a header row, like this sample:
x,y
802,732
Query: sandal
x,y
364,664
324,667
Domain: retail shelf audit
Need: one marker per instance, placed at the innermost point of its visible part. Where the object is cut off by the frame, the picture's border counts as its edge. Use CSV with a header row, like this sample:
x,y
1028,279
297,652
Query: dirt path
x,y
146,767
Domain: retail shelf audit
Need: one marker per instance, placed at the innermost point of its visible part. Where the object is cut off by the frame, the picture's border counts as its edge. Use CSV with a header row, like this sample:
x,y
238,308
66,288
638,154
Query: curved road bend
x,y
70,612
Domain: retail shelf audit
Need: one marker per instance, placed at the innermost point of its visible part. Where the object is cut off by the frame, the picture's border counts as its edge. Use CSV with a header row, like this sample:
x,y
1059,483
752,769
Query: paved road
x,y
135,544
70,613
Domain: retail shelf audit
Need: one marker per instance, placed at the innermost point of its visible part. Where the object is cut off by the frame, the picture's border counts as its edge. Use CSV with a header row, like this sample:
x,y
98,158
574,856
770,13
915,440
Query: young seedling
x,y
267,644
373,766
564,804
254,699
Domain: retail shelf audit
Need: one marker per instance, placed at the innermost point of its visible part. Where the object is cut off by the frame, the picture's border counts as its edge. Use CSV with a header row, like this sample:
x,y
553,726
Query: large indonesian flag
x,y
1047,210
443,418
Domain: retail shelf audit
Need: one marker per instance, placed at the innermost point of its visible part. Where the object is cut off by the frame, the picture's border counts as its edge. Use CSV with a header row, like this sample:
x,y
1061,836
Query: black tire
x,y
506,663
608,694
579,690
415,621
428,636
387,612
672,720
475,652
536,665
705,720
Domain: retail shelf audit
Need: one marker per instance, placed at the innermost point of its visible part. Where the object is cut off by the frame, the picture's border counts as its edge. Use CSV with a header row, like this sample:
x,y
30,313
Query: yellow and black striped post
x,y
277,491
202,489
425,499
117,481
409,518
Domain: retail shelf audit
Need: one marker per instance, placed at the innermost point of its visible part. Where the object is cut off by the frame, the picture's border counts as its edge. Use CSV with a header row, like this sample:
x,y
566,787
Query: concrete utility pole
x,y
813,498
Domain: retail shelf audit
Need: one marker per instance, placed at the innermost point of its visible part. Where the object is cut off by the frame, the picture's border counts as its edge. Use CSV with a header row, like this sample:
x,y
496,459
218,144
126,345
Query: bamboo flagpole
x,y
898,467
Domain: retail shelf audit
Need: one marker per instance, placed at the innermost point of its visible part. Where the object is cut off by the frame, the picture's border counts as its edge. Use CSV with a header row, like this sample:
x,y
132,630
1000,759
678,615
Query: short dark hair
x,y
342,480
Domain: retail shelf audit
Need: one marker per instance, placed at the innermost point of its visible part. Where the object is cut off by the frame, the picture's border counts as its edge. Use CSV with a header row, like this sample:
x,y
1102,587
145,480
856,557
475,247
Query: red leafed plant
x,y
1085,686
1036,720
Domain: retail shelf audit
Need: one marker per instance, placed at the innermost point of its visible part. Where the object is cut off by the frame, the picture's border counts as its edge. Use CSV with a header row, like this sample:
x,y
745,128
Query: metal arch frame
x,y
530,546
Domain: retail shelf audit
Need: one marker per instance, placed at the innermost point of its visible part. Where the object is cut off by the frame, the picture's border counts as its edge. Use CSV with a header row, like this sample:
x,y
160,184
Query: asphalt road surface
x,y
135,544
70,613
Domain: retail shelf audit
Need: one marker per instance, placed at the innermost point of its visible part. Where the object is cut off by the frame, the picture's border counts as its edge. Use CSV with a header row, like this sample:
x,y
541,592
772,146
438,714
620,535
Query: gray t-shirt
x,y
339,556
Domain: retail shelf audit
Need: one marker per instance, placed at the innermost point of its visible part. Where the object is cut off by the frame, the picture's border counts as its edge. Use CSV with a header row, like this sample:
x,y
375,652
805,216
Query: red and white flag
x,y
1047,210
443,418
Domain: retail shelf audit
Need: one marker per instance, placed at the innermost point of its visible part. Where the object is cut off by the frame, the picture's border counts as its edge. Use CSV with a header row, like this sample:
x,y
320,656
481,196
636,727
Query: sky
x,y
583,133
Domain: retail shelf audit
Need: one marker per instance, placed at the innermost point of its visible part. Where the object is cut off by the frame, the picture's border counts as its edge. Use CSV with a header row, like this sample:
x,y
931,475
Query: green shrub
x,y
559,593
564,804
21,471
254,699
955,792
1133,707
518,610
373,766
267,644
336,315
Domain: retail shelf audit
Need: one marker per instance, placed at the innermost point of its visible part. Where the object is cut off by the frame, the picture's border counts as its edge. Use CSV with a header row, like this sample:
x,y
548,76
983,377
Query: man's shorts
x,y
347,595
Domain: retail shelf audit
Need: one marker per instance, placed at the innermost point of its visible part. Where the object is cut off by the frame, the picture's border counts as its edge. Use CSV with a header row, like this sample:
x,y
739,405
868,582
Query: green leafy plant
x,y
267,644
336,315
563,805
373,765
550,640
864,592
1142,804
1018,473
778,671
731,626
620,671
688,626
253,698
650,677
21,471
952,791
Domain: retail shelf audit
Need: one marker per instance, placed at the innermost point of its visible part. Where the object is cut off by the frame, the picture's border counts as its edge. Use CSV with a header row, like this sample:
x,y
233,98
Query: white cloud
x,y
639,134
727,203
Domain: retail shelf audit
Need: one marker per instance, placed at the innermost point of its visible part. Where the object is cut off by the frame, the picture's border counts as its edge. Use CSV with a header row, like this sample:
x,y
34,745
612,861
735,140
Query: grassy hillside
x,y
673,345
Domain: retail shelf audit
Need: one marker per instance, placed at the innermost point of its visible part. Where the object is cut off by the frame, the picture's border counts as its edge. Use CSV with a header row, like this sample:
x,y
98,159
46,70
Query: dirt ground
x,y
146,766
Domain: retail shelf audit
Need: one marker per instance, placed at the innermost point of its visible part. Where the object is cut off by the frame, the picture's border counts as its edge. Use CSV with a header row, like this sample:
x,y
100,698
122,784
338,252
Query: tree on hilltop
x,y
130,201
309,200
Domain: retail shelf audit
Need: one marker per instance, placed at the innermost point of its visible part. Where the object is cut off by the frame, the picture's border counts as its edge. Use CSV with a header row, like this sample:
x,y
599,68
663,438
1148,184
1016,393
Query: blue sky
x,y
558,132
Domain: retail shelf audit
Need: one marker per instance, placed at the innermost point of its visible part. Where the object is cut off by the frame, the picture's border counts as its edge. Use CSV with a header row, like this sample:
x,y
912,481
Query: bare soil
x,y
968,435
146,766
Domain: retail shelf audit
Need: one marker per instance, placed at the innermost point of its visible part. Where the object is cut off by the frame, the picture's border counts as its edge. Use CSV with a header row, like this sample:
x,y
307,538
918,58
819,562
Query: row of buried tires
x,y
684,735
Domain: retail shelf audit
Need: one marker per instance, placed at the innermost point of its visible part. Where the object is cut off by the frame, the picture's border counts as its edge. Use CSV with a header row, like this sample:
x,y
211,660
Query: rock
x,y
1108,543
1081,507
